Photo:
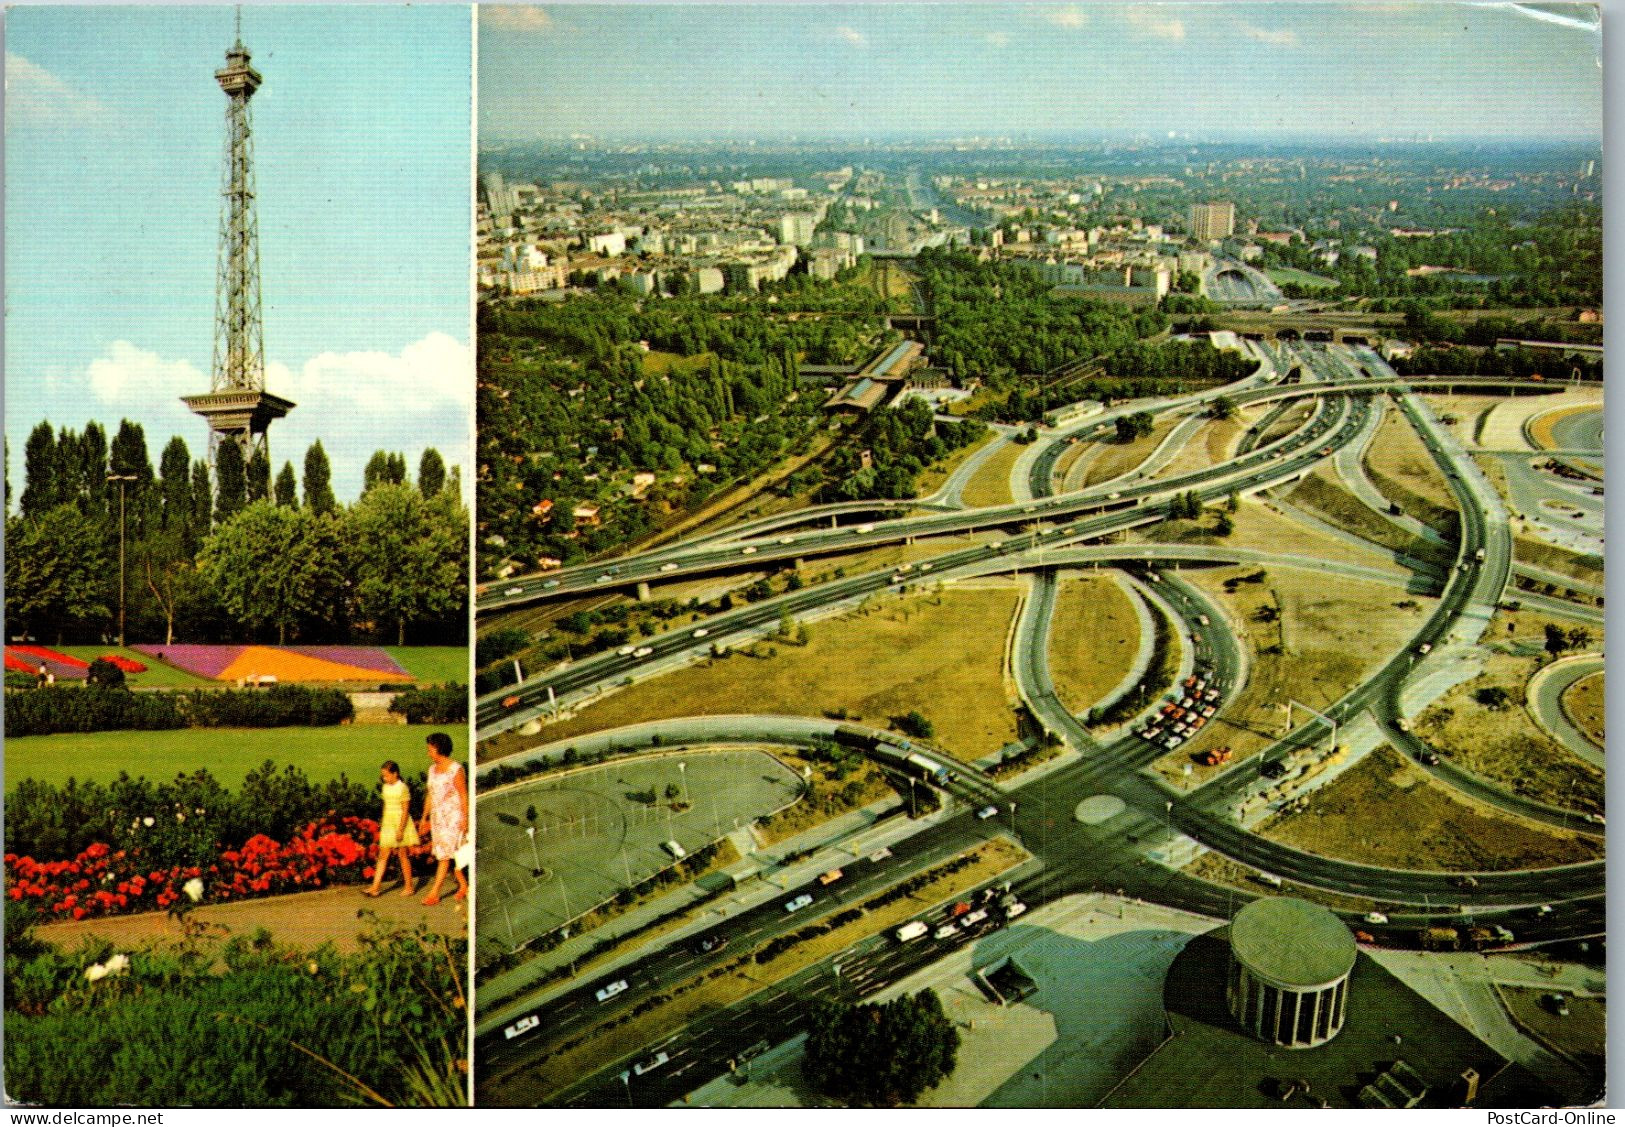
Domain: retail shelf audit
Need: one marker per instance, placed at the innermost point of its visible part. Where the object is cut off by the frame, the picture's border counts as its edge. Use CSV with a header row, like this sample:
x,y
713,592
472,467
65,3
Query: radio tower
x,y
237,407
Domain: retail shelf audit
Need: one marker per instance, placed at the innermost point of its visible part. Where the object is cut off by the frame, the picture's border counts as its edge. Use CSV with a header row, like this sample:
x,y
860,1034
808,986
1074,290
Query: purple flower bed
x,y
361,657
201,661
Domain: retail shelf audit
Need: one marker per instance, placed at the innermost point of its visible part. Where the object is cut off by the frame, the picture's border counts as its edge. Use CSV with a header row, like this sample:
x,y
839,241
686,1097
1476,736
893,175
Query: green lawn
x,y
157,676
433,664
228,753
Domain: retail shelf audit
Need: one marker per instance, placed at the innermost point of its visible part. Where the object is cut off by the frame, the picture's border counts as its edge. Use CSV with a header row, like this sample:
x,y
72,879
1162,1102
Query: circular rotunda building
x,y
1289,971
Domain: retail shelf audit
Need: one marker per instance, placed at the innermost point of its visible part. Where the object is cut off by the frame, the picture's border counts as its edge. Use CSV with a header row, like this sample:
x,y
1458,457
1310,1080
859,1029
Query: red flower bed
x,y
127,664
102,881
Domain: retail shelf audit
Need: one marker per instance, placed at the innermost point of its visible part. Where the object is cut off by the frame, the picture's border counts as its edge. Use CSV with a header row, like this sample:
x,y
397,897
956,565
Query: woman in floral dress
x,y
445,815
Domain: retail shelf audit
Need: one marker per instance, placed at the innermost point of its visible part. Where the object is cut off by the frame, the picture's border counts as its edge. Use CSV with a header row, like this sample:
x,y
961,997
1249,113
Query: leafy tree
x,y
231,482
104,673
1137,425
431,472
287,487
58,571
318,480
257,478
880,1054
174,485
42,473
1578,638
271,566
914,723
1493,697
1222,408
410,555
1557,639
202,501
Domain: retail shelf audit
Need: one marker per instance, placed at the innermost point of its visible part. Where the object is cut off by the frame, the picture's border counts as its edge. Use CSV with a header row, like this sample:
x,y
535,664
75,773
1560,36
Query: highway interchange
x,y
1039,534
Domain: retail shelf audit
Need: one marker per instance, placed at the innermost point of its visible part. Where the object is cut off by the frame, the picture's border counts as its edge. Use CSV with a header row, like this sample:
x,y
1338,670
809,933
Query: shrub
x,y
92,708
279,706
440,704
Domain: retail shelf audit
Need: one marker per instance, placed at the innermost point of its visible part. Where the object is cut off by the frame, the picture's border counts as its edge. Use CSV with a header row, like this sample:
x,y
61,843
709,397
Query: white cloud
x,y
128,374
998,38
1282,38
429,377
37,98
852,36
519,17
1070,16
1154,23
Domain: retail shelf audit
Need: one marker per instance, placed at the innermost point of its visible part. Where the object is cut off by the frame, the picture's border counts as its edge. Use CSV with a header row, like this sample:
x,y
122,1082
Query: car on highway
x,y
514,591
830,877
677,851
862,528
642,651
911,930
750,551
701,632
605,993
987,812
550,584
880,855
651,1064
709,943
604,578
798,903
523,1025
668,567
625,651
1375,918
946,931
511,701
1424,648
787,540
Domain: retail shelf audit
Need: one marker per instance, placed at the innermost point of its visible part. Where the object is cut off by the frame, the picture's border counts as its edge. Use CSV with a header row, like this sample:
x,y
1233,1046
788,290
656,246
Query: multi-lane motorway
x,y
1069,855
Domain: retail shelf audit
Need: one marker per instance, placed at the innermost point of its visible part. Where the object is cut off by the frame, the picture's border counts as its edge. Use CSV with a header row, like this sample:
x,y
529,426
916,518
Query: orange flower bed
x,y
268,661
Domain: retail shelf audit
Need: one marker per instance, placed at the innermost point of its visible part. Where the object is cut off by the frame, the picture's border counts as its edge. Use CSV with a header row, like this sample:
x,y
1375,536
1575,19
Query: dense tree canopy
x,y
880,1054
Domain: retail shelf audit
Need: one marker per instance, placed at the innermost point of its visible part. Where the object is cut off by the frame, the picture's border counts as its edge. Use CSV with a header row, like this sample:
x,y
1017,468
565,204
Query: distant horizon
x,y
1319,71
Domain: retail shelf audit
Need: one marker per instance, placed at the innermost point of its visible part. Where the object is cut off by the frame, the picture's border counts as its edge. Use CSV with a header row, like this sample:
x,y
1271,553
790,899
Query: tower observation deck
x,y
237,406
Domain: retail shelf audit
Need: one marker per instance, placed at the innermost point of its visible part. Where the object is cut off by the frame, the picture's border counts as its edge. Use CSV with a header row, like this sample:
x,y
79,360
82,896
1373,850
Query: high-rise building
x,y
237,407
1211,221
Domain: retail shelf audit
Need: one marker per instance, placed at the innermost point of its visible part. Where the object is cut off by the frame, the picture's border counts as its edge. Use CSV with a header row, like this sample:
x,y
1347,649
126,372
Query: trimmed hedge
x,y
94,708
440,704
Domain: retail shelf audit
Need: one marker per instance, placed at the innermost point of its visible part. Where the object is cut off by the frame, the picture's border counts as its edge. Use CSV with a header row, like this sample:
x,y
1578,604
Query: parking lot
x,y
552,850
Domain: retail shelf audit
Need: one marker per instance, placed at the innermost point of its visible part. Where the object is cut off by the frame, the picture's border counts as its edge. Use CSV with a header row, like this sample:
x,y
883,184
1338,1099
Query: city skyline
x,y
361,137
1195,71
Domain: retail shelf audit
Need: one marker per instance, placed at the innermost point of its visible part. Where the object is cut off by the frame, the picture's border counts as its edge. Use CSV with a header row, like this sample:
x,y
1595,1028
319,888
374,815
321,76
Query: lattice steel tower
x,y
237,406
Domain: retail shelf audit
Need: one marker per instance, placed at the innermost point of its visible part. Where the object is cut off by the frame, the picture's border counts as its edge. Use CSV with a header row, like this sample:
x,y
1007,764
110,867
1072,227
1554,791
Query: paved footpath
x,y
307,919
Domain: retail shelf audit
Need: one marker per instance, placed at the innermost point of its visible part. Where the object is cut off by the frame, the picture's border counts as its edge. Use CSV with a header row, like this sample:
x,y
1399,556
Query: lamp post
x,y
121,478
682,775
536,860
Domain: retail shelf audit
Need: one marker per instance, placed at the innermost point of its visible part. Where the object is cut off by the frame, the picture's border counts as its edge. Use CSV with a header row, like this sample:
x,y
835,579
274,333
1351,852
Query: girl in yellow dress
x,y
395,828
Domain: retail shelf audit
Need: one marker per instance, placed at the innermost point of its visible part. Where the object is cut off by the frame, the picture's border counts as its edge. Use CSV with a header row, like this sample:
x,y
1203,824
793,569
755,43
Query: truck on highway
x,y
911,930
1439,939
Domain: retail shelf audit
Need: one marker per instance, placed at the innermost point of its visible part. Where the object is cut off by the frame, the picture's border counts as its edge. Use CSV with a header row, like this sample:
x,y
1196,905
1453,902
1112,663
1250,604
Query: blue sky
x,y
1202,70
114,137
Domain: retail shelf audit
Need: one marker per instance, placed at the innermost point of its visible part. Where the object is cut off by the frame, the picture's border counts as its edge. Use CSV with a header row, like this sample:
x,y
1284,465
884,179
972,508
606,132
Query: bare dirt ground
x,y
1505,745
1330,637
307,919
1400,467
1093,639
1214,442
941,653
1422,824
990,485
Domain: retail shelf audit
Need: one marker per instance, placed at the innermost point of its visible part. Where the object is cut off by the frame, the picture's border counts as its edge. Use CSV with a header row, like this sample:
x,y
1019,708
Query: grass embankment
x,y
1293,276
427,664
1585,703
1213,443
1543,428
1582,1034
1398,464
1094,635
1505,745
941,653
1307,640
1291,419
1575,565
228,753
1119,458
742,976
933,476
1387,811
433,664
1322,495
990,484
